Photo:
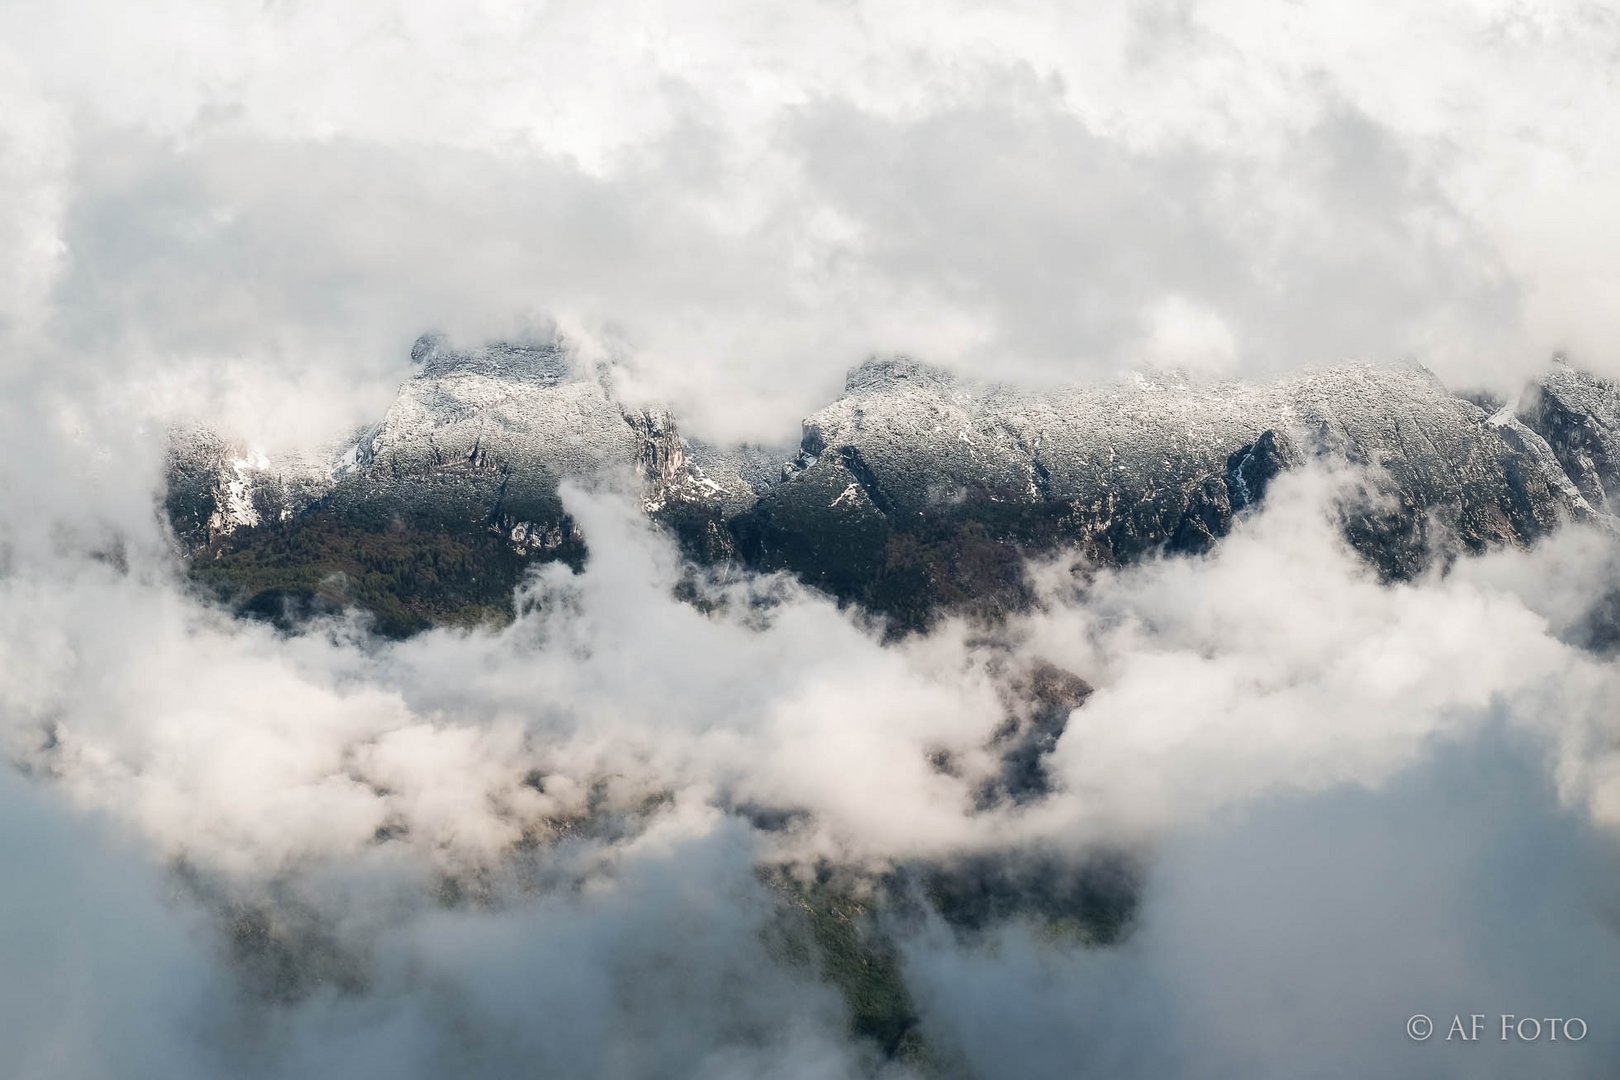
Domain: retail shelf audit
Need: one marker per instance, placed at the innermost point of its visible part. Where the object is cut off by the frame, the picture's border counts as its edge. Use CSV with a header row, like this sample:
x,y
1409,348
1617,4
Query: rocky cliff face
x,y
1579,417
914,491
922,483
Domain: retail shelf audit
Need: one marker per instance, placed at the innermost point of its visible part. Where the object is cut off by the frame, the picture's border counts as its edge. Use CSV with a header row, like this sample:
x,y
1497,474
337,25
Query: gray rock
x,y
917,487
916,490
1579,417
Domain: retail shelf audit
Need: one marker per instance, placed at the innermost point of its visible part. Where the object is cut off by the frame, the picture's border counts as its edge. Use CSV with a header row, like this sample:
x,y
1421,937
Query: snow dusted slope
x,y
488,435
914,485
484,438
511,409
435,511
1579,417
216,487
914,491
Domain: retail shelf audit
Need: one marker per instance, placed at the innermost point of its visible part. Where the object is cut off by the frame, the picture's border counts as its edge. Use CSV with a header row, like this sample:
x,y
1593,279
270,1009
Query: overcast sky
x,y
740,200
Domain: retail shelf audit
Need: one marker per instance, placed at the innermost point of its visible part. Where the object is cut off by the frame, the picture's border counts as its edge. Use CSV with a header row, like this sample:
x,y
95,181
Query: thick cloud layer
x,y
1296,936
1291,744
581,845
232,203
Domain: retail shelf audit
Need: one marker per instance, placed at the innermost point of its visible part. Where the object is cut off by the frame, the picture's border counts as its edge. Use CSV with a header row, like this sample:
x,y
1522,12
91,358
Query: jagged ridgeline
x,y
915,492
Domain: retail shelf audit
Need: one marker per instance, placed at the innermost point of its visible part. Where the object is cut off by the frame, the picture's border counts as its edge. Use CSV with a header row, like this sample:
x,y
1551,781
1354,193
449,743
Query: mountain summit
x,y
916,491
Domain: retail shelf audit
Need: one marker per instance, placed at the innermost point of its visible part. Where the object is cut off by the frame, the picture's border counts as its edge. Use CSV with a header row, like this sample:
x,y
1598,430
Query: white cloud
x,y
248,211
741,201
608,732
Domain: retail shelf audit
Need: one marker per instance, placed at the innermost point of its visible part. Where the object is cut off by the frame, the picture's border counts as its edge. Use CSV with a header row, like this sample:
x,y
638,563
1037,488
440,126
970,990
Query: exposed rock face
x,y
914,491
512,411
1039,703
1579,417
215,487
916,486
435,512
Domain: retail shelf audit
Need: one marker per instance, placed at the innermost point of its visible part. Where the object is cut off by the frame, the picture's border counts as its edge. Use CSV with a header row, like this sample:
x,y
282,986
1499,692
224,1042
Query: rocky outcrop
x,y
1579,417
915,491
916,488
215,487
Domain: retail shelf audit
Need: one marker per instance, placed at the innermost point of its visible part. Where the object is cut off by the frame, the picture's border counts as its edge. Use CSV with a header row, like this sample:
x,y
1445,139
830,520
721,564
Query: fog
x,y
582,844
320,854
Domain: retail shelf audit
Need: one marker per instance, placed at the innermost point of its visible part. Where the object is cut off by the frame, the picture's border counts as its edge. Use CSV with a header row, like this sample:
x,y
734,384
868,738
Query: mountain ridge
x,y
913,492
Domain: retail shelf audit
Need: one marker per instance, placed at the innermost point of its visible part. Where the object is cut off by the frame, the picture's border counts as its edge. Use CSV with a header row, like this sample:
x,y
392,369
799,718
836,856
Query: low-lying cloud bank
x,y
549,848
